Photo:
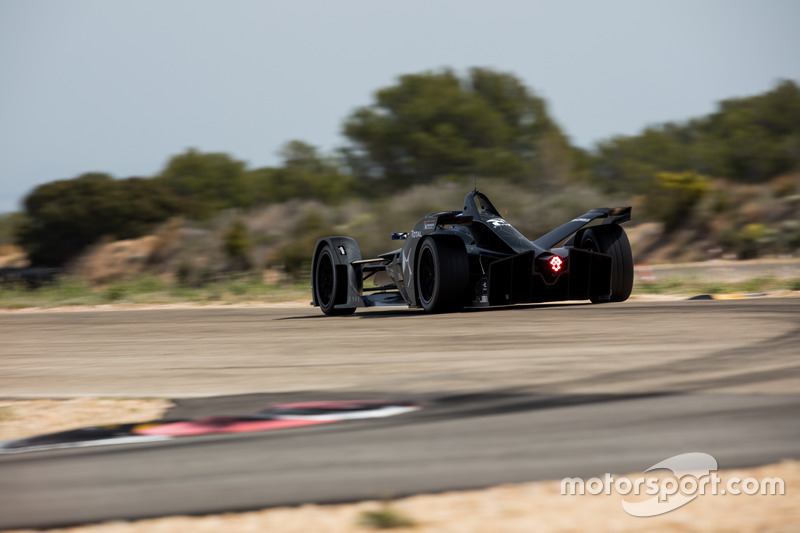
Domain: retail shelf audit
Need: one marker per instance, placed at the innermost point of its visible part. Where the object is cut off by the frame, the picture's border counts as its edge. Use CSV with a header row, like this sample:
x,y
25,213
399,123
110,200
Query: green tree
x,y
208,182
630,163
748,140
63,217
436,124
8,227
759,136
304,173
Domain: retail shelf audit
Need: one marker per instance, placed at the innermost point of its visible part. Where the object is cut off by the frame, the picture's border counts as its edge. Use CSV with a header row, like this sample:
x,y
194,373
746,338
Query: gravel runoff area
x,y
26,418
528,507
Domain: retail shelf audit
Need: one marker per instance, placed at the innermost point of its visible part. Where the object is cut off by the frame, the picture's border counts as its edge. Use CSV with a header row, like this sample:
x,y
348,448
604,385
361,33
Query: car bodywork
x,y
474,257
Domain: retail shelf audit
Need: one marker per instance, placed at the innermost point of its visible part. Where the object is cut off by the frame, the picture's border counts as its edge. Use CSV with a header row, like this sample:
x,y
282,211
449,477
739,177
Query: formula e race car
x,y
474,258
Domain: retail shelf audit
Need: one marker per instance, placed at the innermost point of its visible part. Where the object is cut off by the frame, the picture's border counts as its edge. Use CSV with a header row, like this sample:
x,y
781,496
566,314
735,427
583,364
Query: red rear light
x,y
552,266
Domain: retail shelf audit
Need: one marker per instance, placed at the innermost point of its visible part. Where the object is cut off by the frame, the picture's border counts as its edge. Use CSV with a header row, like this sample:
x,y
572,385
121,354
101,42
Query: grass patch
x,y
149,290
385,518
681,287
65,292
661,287
250,288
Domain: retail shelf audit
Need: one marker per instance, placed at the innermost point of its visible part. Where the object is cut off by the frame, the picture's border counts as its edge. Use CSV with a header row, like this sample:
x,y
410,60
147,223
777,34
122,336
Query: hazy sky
x,y
120,86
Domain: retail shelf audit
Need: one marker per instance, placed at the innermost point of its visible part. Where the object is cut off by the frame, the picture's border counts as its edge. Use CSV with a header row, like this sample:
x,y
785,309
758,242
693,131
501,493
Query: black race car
x,y
474,258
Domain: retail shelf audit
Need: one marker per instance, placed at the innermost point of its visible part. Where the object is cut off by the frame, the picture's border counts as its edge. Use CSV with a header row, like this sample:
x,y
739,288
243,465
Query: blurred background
x,y
196,150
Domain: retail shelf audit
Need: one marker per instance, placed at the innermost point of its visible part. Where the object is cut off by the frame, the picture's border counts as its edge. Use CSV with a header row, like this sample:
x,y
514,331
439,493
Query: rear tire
x,y
612,240
330,284
442,274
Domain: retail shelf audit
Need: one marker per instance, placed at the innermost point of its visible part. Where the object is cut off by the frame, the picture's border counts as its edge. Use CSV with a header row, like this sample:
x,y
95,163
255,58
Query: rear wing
x,y
613,215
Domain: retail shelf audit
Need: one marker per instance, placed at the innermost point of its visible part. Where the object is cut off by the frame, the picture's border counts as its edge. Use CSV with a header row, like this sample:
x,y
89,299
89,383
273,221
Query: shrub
x,y
675,195
62,218
238,245
752,238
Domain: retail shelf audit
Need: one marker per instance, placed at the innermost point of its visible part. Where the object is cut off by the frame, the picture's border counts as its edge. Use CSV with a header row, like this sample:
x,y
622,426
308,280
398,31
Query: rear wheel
x,y
330,283
442,274
611,239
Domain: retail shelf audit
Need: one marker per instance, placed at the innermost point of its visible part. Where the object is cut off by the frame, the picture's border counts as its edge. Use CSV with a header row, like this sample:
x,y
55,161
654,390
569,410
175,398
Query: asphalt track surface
x,y
509,395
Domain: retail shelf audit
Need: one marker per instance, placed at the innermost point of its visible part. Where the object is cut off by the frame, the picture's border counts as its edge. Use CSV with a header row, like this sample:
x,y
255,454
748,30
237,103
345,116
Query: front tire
x,y
442,274
612,240
330,284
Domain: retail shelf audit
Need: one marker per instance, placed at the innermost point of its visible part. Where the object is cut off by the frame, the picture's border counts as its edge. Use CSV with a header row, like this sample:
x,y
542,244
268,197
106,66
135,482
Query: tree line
x,y
427,126
746,140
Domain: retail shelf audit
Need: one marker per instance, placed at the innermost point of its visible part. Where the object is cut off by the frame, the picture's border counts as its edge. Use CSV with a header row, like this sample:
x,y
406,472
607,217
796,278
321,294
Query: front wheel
x,y
442,274
611,239
330,283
